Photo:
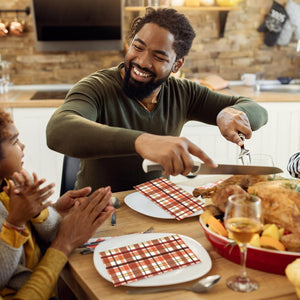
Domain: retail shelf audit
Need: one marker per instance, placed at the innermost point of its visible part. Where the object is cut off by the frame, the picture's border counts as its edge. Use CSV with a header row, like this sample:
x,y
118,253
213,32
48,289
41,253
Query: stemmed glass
x,y
243,218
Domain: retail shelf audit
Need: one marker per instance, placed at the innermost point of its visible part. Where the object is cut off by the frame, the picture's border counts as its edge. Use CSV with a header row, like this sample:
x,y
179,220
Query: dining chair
x,y
69,173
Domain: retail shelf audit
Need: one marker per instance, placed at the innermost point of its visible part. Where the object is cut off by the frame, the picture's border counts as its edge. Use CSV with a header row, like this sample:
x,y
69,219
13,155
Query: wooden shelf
x,y
222,10
188,8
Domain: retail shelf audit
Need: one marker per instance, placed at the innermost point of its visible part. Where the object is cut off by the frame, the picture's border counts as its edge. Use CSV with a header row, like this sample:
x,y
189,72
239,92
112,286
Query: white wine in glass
x,y
243,219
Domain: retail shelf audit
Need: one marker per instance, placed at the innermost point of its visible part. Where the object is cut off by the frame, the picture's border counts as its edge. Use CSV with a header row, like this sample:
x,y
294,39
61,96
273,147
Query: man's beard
x,y
139,90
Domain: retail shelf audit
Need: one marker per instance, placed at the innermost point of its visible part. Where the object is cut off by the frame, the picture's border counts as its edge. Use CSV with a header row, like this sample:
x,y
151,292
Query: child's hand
x,y
23,179
26,201
67,200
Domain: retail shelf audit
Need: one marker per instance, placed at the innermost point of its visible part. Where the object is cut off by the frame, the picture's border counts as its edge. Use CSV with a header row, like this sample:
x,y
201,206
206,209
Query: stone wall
x,y
241,50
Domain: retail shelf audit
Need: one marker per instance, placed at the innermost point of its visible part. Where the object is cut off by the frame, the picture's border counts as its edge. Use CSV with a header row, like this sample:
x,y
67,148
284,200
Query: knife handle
x,y
149,166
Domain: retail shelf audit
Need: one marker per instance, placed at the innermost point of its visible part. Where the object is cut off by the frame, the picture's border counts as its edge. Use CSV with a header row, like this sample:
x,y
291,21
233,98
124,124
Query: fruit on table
x,y
271,231
255,241
216,226
213,223
292,272
271,243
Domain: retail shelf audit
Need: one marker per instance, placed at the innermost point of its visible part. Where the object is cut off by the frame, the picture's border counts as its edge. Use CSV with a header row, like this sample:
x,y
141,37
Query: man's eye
x,y
159,58
137,47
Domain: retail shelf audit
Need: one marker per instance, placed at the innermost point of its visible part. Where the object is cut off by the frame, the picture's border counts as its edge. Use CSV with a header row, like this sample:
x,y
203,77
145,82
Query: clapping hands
x,y
83,219
27,197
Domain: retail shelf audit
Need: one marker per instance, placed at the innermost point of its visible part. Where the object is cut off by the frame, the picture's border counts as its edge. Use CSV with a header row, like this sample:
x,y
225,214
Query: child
x,y
79,225
294,165
24,215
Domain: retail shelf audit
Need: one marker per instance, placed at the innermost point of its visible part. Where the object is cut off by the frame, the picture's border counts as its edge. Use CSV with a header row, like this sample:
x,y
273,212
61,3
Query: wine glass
x,y
243,219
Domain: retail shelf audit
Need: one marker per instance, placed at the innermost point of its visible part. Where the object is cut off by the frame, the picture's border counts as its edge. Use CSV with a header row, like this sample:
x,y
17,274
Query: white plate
x,y
172,277
140,203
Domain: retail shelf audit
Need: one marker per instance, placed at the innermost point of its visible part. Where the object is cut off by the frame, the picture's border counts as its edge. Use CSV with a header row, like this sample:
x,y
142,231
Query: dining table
x,y
85,282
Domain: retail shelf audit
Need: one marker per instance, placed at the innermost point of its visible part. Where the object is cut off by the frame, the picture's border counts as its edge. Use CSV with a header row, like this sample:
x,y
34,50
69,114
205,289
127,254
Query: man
x,y
115,118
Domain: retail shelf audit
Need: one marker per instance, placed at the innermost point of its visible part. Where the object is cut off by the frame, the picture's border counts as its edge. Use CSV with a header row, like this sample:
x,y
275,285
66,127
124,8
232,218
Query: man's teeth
x,y
140,73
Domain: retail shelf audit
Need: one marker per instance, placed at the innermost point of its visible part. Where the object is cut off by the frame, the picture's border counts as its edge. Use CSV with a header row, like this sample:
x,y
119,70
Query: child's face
x,y
12,150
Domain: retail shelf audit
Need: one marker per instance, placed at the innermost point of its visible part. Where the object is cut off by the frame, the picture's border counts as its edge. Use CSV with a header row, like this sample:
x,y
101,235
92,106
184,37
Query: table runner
x,y
170,197
146,259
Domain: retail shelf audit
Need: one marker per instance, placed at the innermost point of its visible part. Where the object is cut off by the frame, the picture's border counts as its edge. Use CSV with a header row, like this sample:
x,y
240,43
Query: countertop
x,y
20,96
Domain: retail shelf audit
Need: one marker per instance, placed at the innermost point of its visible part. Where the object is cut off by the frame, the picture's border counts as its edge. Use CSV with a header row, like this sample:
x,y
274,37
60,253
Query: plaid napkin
x,y
170,197
146,259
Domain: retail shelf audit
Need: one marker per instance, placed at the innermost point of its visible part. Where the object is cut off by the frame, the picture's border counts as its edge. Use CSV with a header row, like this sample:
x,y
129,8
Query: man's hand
x,y
68,199
83,220
173,153
231,122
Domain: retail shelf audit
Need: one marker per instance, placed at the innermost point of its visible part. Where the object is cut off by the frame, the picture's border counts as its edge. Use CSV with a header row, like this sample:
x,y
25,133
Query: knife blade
x,y
200,168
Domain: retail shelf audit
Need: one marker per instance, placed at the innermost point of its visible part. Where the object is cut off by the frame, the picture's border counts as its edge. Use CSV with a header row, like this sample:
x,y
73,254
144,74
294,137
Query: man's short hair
x,y
171,20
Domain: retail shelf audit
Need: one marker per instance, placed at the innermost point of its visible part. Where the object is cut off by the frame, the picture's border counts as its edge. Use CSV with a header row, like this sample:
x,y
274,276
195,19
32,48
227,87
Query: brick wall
x,y
241,50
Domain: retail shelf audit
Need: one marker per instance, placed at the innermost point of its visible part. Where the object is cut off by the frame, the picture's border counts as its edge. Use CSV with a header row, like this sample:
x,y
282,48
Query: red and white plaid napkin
x,y
170,197
146,259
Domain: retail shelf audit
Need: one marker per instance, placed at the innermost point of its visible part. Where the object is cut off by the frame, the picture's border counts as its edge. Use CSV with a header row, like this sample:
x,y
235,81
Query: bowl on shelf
x,y
266,260
285,80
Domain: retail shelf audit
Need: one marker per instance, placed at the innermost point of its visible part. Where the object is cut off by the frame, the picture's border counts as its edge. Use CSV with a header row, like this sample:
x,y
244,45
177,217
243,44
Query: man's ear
x,y
177,65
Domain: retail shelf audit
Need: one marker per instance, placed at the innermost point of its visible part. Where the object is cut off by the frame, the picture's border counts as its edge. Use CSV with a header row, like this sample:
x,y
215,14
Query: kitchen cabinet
x,y
222,10
31,123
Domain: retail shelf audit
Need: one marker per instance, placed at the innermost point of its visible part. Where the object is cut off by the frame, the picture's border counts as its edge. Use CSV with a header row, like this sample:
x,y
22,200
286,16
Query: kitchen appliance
x,y
75,25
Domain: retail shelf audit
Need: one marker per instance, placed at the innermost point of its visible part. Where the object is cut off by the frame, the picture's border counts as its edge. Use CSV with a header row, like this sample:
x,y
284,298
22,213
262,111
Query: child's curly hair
x,y
5,119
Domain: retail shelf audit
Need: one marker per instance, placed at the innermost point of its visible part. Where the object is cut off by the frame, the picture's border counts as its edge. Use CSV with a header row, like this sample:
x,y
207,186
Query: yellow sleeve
x,y
44,277
42,217
13,237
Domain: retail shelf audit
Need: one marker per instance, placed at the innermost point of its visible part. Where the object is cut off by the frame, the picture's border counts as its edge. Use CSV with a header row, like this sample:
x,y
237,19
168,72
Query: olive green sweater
x,y
99,124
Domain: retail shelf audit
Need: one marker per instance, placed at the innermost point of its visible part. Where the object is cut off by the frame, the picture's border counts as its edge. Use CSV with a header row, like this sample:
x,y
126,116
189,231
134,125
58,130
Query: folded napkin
x,y
170,197
146,259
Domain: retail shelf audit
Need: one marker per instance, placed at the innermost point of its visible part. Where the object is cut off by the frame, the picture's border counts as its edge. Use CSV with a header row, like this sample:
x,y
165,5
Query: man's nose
x,y
145,60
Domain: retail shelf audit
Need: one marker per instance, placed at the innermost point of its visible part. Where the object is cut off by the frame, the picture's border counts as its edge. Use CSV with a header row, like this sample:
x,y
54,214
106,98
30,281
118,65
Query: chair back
x,y
69,173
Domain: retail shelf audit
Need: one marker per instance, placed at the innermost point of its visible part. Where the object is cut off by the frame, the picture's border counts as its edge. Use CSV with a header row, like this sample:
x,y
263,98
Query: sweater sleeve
x,y
43,280
257,115
46,224
11,249
206,104
90,139
9,259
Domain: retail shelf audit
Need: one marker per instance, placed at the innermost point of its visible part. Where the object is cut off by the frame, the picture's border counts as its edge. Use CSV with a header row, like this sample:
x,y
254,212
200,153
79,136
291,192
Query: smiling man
x,y
115,118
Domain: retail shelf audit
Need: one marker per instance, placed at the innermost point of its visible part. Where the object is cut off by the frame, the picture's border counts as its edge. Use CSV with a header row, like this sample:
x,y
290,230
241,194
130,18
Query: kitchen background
x,y
241,50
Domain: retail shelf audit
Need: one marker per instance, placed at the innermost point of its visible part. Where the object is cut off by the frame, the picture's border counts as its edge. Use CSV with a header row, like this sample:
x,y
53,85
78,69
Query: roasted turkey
x,y
280,200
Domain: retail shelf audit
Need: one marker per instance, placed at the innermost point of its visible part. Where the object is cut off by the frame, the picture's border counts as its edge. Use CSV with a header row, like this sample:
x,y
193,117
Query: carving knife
x,y
201,168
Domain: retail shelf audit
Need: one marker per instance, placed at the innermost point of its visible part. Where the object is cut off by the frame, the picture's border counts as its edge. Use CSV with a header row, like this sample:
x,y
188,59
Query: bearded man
x,y
115,118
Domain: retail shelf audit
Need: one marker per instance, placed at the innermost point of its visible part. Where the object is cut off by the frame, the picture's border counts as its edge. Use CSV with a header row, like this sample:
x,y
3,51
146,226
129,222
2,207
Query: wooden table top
x,y
87,283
